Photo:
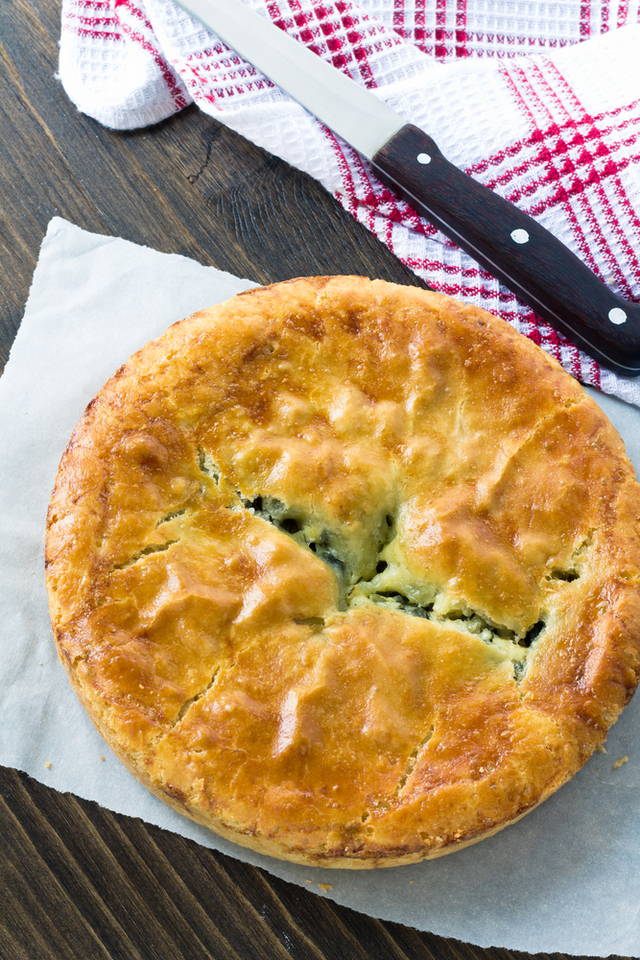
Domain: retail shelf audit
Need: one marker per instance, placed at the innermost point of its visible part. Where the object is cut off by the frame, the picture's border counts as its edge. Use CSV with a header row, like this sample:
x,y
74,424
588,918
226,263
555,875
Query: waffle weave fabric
x,y
539,101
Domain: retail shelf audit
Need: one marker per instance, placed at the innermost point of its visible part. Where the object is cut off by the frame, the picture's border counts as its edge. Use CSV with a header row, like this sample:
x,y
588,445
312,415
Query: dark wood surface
x,y
77,881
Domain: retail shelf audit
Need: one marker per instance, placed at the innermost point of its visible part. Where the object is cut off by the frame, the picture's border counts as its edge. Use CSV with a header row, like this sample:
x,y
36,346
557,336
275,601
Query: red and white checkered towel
x,y
538,100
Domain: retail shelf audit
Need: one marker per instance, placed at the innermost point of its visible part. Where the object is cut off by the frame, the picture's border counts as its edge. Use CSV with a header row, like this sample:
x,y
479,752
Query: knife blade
x,y
514,248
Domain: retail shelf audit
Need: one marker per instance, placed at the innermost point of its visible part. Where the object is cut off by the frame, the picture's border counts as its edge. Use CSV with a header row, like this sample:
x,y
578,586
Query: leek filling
x,y
358,586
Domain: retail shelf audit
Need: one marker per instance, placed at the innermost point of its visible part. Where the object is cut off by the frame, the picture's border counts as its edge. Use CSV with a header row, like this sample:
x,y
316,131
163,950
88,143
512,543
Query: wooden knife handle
x,y
529,260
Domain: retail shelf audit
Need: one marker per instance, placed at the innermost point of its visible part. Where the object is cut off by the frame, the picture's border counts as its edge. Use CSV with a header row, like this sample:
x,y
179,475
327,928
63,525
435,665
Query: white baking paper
x,y
566,878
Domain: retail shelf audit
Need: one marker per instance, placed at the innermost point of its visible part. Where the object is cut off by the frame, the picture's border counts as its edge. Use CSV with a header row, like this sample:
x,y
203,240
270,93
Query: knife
x,y
517,250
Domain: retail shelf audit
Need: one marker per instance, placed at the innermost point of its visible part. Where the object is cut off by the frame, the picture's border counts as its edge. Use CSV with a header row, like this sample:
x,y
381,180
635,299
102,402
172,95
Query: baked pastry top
x,y
347,571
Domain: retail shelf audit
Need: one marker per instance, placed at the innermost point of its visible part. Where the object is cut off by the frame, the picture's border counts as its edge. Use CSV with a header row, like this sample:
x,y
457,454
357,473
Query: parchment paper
x,y
566,878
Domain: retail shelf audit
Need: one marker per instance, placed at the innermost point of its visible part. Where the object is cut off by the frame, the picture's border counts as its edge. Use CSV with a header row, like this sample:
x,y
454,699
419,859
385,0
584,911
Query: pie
x,y
347,571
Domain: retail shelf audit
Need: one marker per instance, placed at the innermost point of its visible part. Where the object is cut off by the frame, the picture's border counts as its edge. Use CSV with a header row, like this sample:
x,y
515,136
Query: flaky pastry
x,y
347,571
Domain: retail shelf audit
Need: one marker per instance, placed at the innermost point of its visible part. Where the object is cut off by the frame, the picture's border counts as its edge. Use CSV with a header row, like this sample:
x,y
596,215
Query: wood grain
x,y
78,882
186,186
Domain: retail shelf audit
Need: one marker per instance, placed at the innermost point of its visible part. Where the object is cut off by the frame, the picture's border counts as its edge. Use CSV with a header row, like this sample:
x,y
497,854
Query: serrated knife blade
x,y
513,247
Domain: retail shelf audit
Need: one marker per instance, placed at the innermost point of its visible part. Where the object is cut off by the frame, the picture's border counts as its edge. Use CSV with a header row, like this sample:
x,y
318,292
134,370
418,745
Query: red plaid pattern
x,y
550,122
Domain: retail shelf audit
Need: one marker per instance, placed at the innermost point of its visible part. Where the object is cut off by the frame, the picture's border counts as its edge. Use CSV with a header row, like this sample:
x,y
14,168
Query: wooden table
x,y
77,881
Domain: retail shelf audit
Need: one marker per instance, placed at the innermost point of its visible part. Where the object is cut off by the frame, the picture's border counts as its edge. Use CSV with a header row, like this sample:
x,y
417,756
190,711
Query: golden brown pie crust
x,y
347,571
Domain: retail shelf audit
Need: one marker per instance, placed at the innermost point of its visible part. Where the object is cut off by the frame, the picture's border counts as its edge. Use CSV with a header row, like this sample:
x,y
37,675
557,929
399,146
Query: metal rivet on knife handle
x,y
423,158
541,271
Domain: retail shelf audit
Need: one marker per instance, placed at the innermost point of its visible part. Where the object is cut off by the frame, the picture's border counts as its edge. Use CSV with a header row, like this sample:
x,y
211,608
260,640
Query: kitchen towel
x,y
539,101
